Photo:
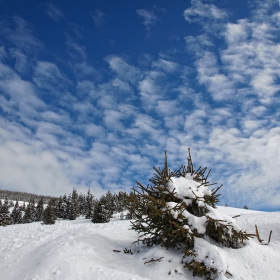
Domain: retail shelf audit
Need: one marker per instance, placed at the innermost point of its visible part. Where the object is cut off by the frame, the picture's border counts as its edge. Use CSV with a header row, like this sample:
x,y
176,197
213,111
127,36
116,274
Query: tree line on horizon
x,y
66,207
24,196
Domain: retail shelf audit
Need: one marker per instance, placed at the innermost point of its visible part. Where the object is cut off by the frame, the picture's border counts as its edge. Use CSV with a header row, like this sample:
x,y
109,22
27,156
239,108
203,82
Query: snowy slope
x,y
82,250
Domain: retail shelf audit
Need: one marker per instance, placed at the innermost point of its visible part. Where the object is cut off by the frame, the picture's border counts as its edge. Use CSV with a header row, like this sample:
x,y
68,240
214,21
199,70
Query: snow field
x,y
79,249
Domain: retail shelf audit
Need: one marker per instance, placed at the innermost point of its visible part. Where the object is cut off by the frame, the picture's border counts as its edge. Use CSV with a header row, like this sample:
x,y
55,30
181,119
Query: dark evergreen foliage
x,y
16,214
23,196
23,207
81,203
72,211
29,216
5,217
39,211
121,201
49,216
88,208
163,217
62,207
101,214
74,205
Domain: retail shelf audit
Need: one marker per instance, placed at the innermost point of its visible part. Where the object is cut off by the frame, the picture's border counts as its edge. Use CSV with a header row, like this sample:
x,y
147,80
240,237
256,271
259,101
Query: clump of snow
x,y
187,189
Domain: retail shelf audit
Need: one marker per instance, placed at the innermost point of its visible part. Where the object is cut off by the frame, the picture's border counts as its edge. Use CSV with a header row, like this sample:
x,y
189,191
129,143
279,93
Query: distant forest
x,y
23,196
22,208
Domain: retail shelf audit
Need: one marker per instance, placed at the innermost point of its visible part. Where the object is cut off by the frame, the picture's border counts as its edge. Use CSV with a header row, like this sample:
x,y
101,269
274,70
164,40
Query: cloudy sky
x,y
93,92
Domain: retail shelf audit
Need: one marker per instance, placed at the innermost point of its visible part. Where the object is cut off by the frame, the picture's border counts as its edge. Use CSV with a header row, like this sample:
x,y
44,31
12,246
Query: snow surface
x,y
82,250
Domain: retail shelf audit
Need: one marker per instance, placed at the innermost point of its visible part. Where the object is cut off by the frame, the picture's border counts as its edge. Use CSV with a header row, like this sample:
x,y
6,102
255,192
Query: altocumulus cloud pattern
x,y
92,93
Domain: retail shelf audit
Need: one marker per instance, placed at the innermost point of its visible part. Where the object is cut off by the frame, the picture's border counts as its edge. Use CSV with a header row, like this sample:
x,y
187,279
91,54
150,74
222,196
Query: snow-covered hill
x,y
79,249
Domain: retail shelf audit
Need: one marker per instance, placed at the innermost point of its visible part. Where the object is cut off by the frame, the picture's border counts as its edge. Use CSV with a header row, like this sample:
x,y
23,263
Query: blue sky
x,y
92,93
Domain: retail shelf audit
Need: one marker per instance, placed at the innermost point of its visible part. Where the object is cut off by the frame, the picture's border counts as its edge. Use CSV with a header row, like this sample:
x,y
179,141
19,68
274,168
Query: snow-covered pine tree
x,y
101,214
81,202
23,207
61,208
89,205
75,202
29,215
5,217
121,201
16,214
49,216
108,201
64,208
178,211
33,209
72,211
39,211
68,204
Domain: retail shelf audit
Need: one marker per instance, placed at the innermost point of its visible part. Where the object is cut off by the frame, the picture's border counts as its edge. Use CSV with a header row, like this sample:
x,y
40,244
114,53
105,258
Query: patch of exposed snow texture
x,y
79,249
188,189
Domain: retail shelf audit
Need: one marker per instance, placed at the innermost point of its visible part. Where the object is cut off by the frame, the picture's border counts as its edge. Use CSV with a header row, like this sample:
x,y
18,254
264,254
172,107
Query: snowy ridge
x,y
80,249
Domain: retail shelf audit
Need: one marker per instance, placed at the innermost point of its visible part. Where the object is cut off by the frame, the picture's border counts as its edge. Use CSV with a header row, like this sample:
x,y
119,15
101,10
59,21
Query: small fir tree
x,y
121,201
5,217
23,207
81,203
72,211
39,211
68,204
60,207
100,213
89,205
49,216
109,202
16,214
29,215
177,210
75,202
63,207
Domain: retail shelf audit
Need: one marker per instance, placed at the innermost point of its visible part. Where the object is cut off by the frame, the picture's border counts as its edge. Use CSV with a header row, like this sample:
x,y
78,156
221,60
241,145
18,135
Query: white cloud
x,y
258,160
54,12
200,10
21,97
218,84
121,85
165,65
149,91
112,119
254,61
3,53
62,117
235,33
21,35
35,171
98,17
76,51
21,64
123,70
148,18
95,130
84,70
47,75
